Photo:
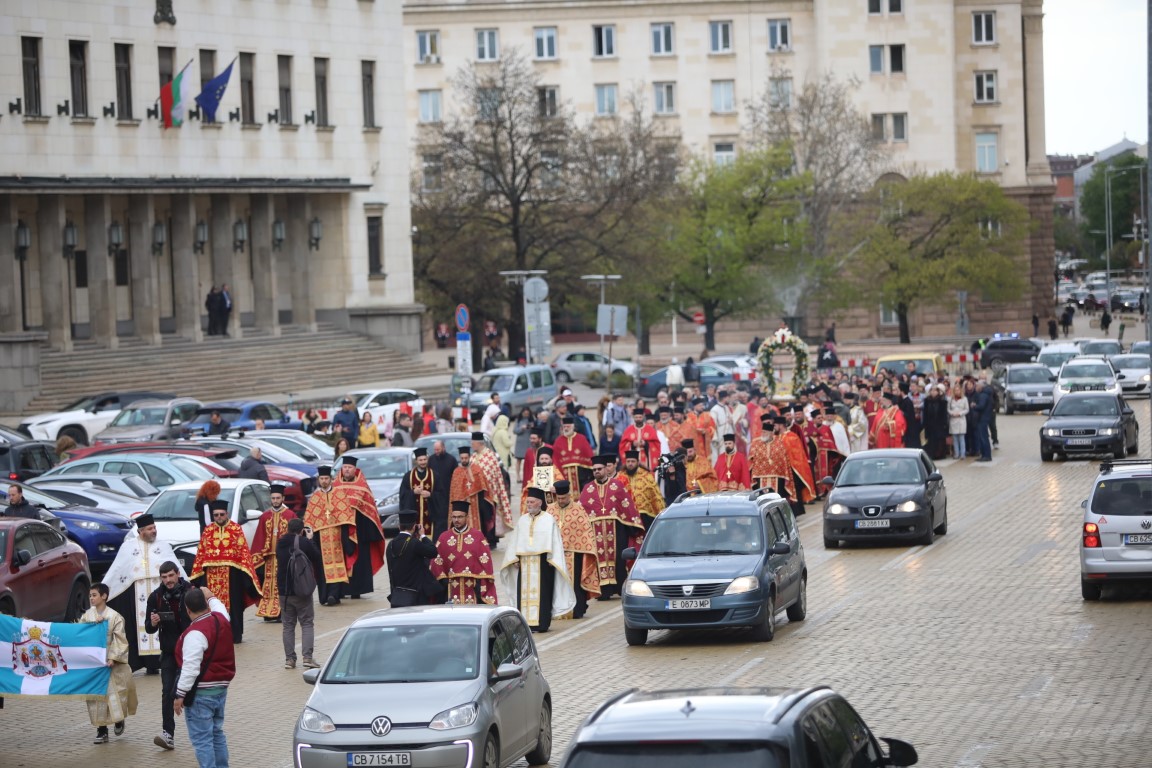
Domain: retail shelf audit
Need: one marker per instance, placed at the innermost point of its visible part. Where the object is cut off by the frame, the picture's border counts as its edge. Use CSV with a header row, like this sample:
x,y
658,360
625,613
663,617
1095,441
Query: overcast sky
x,y
1096,74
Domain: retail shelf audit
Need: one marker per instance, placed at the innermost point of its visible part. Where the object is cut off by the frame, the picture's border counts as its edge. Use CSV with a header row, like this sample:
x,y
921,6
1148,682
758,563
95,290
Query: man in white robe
x,y
857,424
535,569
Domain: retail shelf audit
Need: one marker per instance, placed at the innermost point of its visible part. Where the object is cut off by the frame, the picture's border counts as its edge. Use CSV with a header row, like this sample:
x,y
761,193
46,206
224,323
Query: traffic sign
x,y
464,356
698,318
462,317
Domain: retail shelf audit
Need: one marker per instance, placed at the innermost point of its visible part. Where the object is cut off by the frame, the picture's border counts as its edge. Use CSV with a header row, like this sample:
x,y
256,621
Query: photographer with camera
x,y
168,617
673,473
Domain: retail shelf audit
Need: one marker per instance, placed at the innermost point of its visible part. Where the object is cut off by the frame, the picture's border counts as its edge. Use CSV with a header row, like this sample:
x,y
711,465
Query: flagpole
x,y
173,79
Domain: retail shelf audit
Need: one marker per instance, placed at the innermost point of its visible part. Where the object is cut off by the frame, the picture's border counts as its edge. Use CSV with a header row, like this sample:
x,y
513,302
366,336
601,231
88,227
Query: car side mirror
x,y
1084,504
248,514
308,456
176,421
506,672
827,480
900,752
1051,378
1120,376
23,557
935,477
781,548
629,553
311,676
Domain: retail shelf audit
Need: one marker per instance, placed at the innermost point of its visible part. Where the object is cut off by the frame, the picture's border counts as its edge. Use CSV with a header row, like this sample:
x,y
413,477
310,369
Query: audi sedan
x,y
1086,423
888,493
437,686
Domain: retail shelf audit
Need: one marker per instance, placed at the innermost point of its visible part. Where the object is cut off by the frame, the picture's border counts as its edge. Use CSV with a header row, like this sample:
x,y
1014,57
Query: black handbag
x,y
190,695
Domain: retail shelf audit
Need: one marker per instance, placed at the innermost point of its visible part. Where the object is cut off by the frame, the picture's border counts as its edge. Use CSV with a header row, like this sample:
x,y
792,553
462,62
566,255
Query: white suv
x,y
1086,374
1116,539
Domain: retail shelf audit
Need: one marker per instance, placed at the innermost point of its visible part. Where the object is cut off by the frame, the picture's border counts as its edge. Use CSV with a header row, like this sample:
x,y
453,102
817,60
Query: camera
x,y
669,460
167,616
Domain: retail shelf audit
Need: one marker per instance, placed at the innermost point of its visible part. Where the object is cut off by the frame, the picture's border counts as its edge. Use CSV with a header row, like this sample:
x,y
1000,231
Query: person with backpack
x,y
297,563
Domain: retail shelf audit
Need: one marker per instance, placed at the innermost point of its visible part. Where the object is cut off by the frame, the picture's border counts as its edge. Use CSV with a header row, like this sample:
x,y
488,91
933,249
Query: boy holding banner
x,y
120,700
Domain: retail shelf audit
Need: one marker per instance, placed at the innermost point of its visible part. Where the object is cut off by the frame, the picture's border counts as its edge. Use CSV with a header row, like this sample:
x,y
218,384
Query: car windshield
x,y
452,443
923,365
1090,371
382,466
1086,406
181,504
677,753
1100,348
494,382
405,654
226,414
82,404
192,468
140,417
300,444
1054,359
880,471
1140,362
1123,496
1029,376
712,535
36,498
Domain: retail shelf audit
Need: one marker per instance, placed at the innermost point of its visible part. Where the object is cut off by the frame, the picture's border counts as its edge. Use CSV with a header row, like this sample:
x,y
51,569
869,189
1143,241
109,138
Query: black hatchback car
x,y
1086,423
999,352
888,493
26,459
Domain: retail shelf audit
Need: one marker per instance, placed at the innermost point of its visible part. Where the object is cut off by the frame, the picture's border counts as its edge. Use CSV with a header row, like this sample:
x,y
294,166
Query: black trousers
x,y
547,586
581,593
169,674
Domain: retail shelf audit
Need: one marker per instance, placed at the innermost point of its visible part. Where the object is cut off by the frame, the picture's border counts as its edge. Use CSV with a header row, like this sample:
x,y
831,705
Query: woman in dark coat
x,y
936,423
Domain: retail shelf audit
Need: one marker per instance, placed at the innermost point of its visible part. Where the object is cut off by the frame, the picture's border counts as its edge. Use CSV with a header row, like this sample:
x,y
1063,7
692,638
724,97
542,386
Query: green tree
x,y
1124,177
932,235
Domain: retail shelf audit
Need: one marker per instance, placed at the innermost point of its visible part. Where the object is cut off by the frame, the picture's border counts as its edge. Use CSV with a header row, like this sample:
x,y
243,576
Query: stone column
x,y
188,299
263,270
11,312
101,271
145,280
222,255
303,304
56,293
1038,170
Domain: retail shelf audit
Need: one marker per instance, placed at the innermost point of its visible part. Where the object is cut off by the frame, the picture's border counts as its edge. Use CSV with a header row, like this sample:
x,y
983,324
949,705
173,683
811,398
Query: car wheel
x,y
77,603
997,364
1008,409
766,629
930,535
799,609
491,752
76,433
563,377
1088,590
831,543
942,529
1135,447
542,752
1046,454
635,636
1121,450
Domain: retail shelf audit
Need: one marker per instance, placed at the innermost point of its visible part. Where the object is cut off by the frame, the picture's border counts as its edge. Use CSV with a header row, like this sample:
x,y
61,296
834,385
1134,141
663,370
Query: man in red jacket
x,y
207,660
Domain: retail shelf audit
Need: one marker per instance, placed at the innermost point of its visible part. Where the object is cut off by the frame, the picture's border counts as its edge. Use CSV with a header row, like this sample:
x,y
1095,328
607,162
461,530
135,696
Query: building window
x,y
429,106
665,98
874,7
779,35
548,98
428,46
723,96
368,92
166,62
80,268
724,154
662,39
780,93
606,100
487,48
375,245
284,73
123,56
984,27
900,126
721,36
248,88
78,65
896,59
987,160
121,267
990,228
432,173
546,42
895,6
488,104
876,59
321,66
985,87
31,49
878,131
550,168
604,41
888,316
207,72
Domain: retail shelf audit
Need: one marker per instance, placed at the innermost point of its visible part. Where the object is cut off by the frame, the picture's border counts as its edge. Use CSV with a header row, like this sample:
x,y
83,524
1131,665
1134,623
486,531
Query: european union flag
x,y
209,99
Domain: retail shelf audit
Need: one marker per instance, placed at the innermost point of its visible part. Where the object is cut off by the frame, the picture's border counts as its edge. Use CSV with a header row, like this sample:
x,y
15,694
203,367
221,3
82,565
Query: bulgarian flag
x,y
175,98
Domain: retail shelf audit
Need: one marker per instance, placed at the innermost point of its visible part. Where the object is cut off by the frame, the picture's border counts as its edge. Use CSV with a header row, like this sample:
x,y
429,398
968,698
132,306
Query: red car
x,y
43,575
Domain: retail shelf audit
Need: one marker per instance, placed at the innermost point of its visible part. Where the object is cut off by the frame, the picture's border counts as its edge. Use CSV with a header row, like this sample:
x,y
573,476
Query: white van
x,y
1055,355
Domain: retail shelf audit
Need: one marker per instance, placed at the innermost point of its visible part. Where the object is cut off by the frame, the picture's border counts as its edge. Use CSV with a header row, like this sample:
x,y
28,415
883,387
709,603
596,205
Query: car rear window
x,y
681,753
1123,496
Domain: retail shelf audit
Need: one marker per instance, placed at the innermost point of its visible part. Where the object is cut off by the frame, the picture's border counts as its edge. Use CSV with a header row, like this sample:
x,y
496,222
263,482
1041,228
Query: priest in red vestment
x,y
610,506
801,471
641,437
469,484
768,458
732,467
367,533
224,565
464,561
572,453
889,426
699,475
273,524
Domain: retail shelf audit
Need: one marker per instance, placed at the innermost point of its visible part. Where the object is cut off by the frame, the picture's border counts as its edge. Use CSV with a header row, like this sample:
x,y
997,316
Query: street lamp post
x,y
602,281
519,277
1109,172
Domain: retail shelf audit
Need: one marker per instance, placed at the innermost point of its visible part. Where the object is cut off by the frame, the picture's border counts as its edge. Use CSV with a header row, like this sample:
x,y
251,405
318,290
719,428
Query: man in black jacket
x,y
294,605
167,615
408,555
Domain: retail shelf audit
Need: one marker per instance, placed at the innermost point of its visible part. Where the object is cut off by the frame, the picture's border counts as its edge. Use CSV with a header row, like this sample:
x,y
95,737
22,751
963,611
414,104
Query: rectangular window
x,y
888,316
550,168
78,66
874,6
375,243
985,87
878,131
321,66
80,268
987,160
990,228
876,59
548,98
780,93
604,41
665,98
723,96
207,72
896,58
121,267
984,27
284,75
428,46
432,173
606,100
368,92
900,126
724,153
429,106
488,103
895,6
487,45
248,88
545,42
30,46
721,36
166,63
662,39
779,35
123,57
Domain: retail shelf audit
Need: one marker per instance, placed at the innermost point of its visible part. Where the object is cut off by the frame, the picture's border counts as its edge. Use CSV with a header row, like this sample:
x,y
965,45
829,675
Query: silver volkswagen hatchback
x,y
438,686
1116,540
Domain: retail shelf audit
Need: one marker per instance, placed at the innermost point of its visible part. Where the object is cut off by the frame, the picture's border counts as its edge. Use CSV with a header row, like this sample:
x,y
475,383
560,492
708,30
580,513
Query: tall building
x,y
295,195
949,84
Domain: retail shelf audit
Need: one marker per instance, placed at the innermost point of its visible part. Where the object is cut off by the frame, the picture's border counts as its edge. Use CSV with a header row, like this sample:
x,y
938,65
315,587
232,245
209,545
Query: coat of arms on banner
x,y
34,654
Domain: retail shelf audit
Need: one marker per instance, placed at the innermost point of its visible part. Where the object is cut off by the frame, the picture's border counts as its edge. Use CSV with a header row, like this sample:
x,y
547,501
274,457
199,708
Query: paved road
x,y
977,649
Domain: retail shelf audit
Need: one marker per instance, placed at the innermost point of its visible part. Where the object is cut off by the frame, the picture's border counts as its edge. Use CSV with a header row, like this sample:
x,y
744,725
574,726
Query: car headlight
x,y
457,717
837,509
637,588
393,499
1062,388
1146,377
1051,432
316,722
1107,431
90,525
908,506
743,584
